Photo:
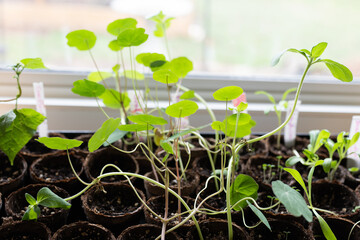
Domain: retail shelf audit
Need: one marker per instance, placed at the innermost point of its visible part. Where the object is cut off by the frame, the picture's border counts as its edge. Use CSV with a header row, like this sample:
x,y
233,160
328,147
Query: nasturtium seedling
x,y
147,119
45,197
98,76
227,93
33,63
103,133
188,94
165,76
16,128
58,143
113,99
118,26
218,126
81,39
182,109
147,58
132,37
181,66
162,24
88,88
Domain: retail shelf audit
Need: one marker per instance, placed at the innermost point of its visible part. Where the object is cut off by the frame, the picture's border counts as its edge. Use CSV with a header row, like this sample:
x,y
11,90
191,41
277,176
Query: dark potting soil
x,y
20,236
112,203
81,233
8,172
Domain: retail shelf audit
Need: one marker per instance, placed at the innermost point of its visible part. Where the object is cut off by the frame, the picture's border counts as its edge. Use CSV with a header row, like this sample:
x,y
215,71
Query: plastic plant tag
x,y
354,150
290,128
236,102
40,107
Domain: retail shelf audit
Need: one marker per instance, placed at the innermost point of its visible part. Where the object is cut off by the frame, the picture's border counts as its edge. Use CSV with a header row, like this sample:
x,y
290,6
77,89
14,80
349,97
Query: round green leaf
x,y
113,99
88,88
115,46
243,186
81,39
147,119
218,126
98,76
181,66
147,58
182,109
188,94
165,76
103,133
59,143
133,75
135,127
227,93
33,63
118,26
244,118
132,37
159,65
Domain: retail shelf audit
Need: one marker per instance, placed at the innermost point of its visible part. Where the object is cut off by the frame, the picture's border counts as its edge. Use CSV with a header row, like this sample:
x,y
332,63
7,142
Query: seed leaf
x,y
33,63
45,197
317,50
338,70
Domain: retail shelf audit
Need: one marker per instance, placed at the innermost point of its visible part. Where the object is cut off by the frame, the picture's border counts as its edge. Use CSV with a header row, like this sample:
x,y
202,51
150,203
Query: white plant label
x,y
135,101
40,107
355,149
290,128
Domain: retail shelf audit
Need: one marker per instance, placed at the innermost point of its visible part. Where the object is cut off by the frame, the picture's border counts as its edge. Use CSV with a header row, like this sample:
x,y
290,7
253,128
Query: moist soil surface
x,y
113,203
83,233
8,172
20,236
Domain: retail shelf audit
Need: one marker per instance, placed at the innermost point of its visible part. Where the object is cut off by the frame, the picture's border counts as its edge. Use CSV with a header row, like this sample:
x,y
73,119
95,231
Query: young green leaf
x,y
165,76
161,24
135,127
181,66
33,63
113,99
327,165
115,46
30,199
16,128
243,118
118,26
160,65
287,92
167,147
218,126
338,70
88,88
317,50
297,176
147,58
329,235
133,75
115,136
81,39
45,197
132,37
241,130
354,139
103,133
32,213
293,160
188,94
242,107
147,119
270,97
227,93
98,76
58,143
276,60
243,186
292,200
182,109
259,214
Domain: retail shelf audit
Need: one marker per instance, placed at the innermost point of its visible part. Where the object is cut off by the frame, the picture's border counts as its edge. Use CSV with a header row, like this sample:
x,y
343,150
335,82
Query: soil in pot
x,y
300,144
187,186
34,149
95,161
55,169
341,227
157,204
113,205
11,177
25,230
217,229
257,148
16,205
319,174
281,230
83,231
145,232
336,198
265,169
196,149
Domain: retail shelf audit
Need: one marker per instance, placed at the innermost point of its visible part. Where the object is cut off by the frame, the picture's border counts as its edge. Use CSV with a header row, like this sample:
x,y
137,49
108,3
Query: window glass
x,y
227,37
